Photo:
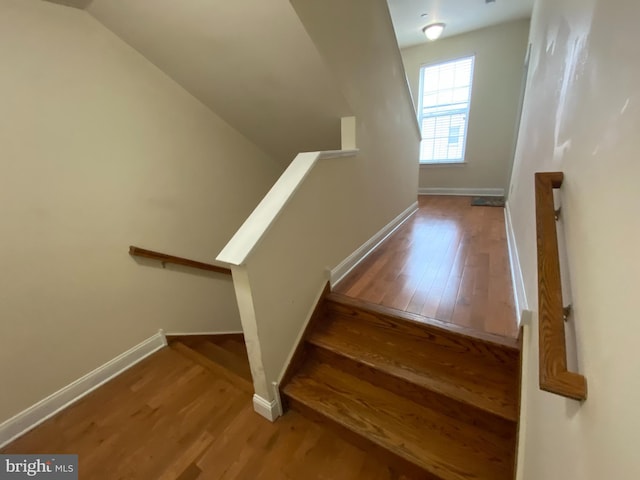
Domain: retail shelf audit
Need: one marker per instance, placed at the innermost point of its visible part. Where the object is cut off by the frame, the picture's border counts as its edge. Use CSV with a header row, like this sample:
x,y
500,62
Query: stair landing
x,y
449,261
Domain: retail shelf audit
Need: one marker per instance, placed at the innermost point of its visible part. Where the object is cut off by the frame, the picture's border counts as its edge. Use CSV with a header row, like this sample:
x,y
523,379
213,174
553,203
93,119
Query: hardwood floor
x,y
185,413
449,262
418,399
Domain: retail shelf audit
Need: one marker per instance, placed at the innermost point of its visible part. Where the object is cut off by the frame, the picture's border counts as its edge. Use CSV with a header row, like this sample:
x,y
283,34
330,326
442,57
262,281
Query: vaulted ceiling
x,y
460,16
250,61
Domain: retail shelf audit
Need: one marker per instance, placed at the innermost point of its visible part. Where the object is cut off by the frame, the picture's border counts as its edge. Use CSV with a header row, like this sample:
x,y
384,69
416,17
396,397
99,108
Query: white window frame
x,y
466,111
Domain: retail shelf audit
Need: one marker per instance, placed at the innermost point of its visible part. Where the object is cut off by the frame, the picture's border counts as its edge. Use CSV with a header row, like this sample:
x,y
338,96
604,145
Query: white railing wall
x,y
327,209
281,256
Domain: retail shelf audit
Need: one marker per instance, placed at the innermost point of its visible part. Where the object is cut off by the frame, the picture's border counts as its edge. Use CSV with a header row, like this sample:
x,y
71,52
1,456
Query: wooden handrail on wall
x,y
164,258
554,376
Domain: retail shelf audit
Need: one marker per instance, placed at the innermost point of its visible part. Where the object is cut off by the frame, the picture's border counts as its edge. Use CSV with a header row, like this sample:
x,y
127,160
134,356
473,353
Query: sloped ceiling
x,y
460,16
250,61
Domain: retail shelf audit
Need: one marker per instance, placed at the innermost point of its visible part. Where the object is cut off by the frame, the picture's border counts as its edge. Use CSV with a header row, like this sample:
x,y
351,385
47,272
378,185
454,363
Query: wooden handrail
x,y
164,258
554,376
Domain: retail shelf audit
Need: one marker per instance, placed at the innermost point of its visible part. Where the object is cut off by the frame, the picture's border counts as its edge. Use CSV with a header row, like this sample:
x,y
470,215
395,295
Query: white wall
x,y
101,150
499,66
342,202
581,116
356,40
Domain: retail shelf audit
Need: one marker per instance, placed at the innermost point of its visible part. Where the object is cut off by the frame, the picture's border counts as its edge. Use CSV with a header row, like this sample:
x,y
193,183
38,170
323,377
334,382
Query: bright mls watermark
x,y
51,467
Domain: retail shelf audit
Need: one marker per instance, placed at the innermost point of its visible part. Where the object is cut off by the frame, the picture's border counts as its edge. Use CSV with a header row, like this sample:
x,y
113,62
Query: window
x,y
443,113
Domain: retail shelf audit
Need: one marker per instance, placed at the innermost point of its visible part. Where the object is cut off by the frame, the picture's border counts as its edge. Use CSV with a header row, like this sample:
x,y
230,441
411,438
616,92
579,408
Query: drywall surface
x,y
289,267
581,117
498,73
342,202
101,150
250,61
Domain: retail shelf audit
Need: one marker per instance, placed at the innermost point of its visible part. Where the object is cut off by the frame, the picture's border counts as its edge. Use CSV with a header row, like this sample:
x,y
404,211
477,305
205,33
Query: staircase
x,y
438,402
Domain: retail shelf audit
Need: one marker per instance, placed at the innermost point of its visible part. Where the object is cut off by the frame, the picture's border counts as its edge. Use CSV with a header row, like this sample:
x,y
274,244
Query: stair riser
x,y
399,465
469,413
482,350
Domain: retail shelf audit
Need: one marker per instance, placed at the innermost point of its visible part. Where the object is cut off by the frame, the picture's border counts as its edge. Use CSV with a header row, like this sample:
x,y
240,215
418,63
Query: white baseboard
x,y
269,410
477,192
186,334
58,401
524,385
517,279
349,263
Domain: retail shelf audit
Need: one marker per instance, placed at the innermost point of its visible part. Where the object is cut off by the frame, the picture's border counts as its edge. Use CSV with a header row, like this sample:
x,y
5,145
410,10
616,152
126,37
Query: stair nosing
x,y
426,323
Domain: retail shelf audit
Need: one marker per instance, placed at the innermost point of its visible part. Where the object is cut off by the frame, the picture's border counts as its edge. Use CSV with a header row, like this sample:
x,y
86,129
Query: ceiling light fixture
x,y
433,31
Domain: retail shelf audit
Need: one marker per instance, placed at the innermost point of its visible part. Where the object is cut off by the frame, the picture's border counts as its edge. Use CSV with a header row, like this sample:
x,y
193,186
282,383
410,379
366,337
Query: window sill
x,y
441,164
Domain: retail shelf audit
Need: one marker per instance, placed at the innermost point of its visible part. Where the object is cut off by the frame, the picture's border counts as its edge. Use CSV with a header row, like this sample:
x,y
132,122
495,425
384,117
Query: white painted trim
x,y
409,97
276,395
256,225
348,133
478,192
246,307
519,293
524,385
268,410
428,165
186,334
58,401
349,263
337,154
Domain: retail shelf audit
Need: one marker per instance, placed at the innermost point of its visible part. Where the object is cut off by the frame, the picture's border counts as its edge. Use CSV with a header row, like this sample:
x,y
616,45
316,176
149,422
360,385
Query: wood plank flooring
x,y
184,413
449,262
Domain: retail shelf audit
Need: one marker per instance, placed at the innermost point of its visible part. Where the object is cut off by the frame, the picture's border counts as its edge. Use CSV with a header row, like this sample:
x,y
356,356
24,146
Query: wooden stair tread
x,y
443,446
432,399
241,382
427,365
419,325
237,364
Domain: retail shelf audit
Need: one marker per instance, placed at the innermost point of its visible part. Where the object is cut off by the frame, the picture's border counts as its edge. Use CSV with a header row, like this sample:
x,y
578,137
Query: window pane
x,y
428,127
446,78
454,134
461,94
441,149
442,127
426,150
430,100
430,80
463,73
445,95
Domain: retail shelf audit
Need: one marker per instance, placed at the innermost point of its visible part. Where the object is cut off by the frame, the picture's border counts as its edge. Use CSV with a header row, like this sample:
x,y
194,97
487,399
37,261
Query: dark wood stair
x,y
439,402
